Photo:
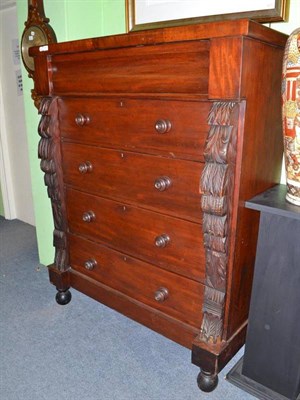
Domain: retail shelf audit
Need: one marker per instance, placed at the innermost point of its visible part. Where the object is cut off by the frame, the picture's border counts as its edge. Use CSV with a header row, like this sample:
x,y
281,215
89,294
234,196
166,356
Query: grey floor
x,y
82,351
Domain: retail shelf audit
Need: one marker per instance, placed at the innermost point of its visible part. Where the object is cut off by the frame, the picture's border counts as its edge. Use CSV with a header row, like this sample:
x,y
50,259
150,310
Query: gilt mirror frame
x,y
150,14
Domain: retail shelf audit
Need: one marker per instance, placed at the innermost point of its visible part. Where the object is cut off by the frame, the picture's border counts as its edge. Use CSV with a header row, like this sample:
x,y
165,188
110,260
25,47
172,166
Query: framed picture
x,y
148,14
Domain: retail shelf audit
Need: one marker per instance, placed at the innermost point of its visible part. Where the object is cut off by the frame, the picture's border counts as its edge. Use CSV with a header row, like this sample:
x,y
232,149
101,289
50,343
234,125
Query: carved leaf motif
x,y
215,243
217,144
215,301
214,179
220,113
216,267
45,104
211,327
60,243
216,187
43,128
211,204
216,225
45,148
49,152
48,166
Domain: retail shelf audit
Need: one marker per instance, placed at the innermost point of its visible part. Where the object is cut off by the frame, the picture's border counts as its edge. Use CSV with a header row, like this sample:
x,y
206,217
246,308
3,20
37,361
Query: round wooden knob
x,y
85,167
162,183
90,264
88,216
162,240
82,119
161,294
163,126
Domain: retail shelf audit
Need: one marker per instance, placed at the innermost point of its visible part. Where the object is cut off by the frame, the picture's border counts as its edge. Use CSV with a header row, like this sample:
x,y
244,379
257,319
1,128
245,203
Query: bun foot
x,y
207,382
63,297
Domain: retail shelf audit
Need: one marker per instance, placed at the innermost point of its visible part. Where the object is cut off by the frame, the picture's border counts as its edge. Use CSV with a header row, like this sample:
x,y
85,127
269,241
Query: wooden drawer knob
x,y
162,240
163,126
161,294
90,264
162,183
82,119
88,216
85,167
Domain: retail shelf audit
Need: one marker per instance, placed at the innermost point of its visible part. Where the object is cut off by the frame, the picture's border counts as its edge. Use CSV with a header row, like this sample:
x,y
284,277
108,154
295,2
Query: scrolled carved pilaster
x,y
50,154
216,188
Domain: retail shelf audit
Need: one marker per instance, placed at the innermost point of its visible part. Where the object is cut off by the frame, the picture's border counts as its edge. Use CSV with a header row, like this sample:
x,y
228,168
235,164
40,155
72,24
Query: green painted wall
x,y
71,20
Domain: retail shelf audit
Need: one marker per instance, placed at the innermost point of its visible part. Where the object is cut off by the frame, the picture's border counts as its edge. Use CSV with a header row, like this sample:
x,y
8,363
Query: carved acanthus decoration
x,y
50,154
213,310
216,187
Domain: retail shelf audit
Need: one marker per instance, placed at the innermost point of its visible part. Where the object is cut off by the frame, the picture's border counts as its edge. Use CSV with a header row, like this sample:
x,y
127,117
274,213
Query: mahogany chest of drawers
x,y
151,142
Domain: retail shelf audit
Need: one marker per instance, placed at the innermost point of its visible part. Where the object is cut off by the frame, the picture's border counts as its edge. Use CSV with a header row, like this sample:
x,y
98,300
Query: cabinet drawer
x,y
168,68
169,242
167,185
139,280
138,125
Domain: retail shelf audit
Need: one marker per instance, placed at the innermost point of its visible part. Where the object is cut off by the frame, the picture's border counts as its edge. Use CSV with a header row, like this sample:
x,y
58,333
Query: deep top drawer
x,y
166,68
176,129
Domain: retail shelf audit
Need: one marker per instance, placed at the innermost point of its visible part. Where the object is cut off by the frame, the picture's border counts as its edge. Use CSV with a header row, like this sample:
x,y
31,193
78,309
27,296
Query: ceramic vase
x,y
291,116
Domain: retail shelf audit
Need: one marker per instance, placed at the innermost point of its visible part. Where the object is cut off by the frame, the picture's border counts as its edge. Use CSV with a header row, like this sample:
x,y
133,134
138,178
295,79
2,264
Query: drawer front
x,y
168,242
167,185
173,128
167,68
139,280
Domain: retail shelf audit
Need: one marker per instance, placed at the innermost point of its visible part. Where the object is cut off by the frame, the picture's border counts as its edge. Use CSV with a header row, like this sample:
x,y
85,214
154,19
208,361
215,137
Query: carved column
x,y
216,187
49,152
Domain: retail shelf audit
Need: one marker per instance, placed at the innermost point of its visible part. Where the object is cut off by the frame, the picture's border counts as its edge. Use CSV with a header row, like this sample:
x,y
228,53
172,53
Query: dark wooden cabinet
x,y
151,142
270,368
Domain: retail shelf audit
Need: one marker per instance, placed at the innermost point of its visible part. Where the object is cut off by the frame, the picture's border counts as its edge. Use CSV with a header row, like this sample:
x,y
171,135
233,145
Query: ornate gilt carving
x,y
36,19
216,187
36,99
50,154
37,32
